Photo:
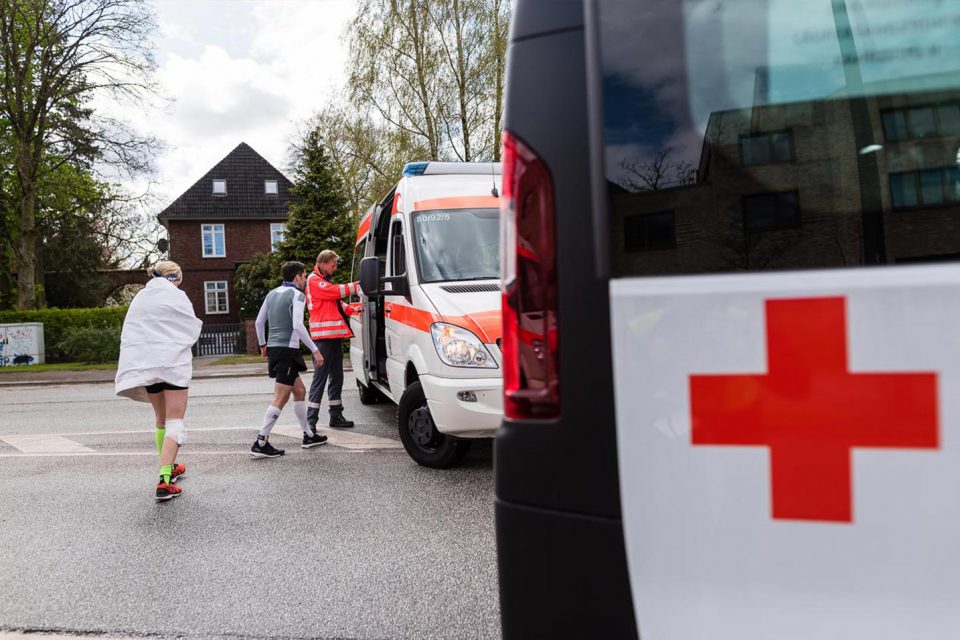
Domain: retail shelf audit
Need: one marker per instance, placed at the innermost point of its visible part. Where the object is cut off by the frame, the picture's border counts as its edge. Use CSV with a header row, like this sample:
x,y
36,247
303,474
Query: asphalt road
x,y
349,540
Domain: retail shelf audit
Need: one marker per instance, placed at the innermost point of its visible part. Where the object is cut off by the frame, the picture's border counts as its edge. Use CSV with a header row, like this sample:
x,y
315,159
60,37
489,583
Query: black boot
x,y
337,421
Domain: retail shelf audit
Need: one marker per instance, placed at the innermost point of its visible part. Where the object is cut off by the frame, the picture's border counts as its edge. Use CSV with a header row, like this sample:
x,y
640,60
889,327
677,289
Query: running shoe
x,y
266,450
313,440
178,472
165,491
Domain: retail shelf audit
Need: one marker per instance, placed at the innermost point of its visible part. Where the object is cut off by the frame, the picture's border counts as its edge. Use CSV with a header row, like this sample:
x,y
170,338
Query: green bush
x,y
91,344
58,323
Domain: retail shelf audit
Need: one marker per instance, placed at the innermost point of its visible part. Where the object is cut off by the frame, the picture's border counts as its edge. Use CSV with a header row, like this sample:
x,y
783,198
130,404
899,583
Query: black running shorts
x,y
285,364
160,387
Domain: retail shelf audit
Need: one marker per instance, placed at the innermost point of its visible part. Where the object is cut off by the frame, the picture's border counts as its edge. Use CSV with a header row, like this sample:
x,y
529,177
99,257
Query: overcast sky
x,y
238,71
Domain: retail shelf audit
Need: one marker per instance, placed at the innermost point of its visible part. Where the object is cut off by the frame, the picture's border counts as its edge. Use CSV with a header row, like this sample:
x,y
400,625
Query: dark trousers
x,y
332,367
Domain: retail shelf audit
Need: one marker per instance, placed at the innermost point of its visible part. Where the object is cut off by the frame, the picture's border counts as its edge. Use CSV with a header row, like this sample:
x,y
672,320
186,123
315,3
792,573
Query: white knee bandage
x,y
177,431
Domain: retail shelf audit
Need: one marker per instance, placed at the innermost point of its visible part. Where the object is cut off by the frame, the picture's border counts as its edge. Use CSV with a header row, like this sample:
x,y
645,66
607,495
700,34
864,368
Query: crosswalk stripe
x,y
347,440
45,444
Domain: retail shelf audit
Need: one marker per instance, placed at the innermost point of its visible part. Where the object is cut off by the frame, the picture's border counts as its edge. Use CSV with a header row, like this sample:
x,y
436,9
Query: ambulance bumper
x,y
465,418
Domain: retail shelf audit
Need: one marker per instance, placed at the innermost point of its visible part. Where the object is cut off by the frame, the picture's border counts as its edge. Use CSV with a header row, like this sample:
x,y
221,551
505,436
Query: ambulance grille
x,y
470,288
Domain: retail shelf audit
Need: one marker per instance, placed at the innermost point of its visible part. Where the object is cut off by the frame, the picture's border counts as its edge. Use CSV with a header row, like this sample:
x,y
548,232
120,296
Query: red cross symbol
x,y
811,411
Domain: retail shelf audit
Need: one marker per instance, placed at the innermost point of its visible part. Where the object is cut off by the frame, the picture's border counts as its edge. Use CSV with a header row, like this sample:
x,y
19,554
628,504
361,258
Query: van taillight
x,y
531,379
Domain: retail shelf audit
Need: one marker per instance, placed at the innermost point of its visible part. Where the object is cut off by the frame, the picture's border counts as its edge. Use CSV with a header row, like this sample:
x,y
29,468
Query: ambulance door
x,y
398,313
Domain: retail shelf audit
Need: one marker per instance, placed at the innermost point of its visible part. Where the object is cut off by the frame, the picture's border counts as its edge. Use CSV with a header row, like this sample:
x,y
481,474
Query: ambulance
x,y
731,341
428,337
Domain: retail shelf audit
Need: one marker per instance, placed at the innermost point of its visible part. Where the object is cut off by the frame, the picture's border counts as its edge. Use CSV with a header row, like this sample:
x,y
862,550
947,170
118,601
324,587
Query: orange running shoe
x,y
166,491
178,472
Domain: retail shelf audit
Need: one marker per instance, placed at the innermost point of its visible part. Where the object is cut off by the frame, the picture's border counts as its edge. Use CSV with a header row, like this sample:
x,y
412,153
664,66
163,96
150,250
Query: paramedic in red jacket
x,y
328,328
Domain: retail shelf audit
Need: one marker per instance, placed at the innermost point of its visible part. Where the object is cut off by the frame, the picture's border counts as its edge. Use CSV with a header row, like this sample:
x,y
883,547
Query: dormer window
x,y
219,187
270,187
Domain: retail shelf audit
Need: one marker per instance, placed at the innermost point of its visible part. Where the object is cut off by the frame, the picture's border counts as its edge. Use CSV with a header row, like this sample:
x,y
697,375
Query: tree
x,y
254,280
367,158
321,218
56,56
432,69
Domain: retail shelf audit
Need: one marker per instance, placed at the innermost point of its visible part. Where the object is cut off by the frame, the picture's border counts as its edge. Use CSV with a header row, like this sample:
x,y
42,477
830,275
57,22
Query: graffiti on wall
x,y
18,345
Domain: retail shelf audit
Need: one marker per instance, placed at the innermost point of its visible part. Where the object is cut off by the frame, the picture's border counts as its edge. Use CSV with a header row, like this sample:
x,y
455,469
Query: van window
x,y
398,258
457,244
780,134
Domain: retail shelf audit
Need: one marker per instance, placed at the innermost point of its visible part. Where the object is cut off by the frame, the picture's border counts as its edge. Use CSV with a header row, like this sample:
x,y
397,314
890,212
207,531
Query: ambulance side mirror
x,y
370,276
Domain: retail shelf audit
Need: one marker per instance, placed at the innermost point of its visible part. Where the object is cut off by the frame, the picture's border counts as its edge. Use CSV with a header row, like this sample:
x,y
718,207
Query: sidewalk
x,y
202,368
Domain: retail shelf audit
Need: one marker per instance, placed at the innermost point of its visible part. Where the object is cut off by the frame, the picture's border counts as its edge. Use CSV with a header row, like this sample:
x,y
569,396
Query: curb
x,y
211,376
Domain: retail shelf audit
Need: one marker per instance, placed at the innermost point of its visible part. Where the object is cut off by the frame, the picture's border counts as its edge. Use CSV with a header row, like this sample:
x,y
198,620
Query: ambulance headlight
x,y
458,347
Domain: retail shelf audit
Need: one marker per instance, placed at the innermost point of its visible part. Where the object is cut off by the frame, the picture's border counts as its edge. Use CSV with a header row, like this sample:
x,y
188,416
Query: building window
x,y
771,211
270,187
215,295
278,231
214,244
766,148
929,187
219,187
928,121
650,231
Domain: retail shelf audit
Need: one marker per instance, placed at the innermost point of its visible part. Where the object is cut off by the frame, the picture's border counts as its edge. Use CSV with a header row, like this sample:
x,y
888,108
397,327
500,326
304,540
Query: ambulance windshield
x,y
457,244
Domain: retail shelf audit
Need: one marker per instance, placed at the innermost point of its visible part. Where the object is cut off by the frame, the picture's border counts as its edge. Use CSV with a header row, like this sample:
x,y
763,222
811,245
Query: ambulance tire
x,y
368,395
419,435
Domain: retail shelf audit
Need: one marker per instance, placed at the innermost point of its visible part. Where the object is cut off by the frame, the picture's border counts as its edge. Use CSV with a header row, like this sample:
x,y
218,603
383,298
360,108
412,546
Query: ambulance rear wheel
x,y
419,435
368,395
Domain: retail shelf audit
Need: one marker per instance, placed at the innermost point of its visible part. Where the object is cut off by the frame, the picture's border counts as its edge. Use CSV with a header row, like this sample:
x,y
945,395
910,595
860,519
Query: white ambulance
x,y
428,338
734,228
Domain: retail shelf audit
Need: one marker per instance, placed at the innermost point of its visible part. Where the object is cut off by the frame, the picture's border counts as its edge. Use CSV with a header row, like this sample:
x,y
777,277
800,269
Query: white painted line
x,y
45,444
347,440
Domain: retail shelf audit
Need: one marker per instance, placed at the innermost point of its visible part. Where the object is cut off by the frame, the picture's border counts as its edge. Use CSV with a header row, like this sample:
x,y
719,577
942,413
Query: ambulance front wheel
x,y
368,395
419,435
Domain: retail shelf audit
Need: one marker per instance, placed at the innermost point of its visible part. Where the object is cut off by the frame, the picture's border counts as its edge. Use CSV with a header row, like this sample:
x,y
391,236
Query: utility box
x,y
21,343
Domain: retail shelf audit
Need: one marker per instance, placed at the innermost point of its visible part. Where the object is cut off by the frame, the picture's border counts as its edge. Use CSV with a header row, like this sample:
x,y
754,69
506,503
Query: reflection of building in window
x,y
770,211
766,148
649,231
926,121
785,186
215,293
925,188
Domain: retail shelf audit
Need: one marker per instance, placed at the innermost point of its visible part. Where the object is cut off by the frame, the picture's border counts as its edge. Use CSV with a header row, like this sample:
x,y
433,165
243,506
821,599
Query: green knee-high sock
x,y
161,434
165,471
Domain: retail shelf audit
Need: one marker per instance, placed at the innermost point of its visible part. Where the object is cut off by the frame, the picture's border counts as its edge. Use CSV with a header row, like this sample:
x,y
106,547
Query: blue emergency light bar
x,y
414,168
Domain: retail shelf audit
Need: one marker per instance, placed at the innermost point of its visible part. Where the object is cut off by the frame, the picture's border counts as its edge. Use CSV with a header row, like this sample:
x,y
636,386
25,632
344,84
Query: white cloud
x,y
239,71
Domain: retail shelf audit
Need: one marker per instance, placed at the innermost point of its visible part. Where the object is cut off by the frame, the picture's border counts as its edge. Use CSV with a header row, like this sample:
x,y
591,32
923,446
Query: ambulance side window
x,y
766,136
398,259
358,252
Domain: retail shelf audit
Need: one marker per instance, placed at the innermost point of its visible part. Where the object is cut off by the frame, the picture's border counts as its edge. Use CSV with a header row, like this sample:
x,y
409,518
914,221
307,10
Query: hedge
x,y
59,324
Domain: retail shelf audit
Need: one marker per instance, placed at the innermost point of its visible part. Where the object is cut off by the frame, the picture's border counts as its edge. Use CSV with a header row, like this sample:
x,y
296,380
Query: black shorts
x,y
160,387
285,364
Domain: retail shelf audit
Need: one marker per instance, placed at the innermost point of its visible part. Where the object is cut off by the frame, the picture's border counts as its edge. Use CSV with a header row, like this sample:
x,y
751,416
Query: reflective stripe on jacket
x,y
328,317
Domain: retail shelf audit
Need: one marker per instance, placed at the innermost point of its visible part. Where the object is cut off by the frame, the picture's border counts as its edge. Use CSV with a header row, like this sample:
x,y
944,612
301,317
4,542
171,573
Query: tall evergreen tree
x,y
322,218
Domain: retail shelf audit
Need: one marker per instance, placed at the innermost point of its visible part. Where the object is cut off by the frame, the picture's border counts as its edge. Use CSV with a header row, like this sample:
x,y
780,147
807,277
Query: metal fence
x,y
221,340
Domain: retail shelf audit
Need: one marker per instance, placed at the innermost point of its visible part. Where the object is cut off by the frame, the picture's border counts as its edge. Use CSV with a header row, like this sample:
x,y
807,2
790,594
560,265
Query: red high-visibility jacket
x,y
328,316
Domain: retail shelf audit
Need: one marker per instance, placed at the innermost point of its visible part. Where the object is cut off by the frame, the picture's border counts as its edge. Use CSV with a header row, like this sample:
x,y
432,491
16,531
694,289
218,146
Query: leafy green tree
x,y
58,55
254,279
321,217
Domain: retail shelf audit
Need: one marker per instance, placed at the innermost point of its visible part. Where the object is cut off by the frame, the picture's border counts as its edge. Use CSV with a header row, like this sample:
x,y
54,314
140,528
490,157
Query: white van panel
x,y
707,556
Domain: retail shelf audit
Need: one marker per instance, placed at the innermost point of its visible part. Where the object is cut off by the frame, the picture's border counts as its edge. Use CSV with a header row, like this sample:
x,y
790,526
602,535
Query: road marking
x,y
347,440
45,444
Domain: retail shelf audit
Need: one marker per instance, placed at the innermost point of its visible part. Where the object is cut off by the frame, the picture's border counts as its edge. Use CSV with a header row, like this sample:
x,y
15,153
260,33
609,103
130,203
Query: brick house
x,y
235,210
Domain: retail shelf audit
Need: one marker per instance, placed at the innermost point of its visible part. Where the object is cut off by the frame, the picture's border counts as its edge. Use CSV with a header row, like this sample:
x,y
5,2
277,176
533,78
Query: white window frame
x,y
276,187
212,229
216,289
219,193
274,227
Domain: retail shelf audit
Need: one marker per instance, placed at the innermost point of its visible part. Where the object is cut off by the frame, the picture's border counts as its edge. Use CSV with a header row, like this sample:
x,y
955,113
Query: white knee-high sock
x,y
269,419
300,410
